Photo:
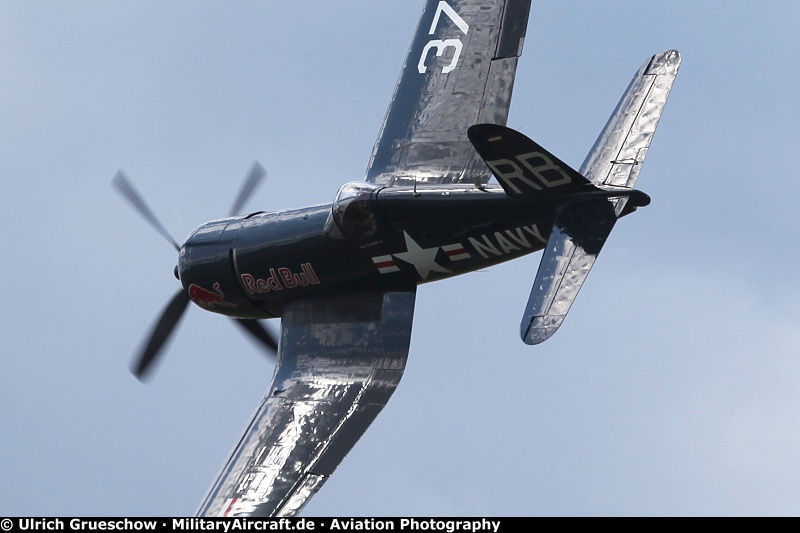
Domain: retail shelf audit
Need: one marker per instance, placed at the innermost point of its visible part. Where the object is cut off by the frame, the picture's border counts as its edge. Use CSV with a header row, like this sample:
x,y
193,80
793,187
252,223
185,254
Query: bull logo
x,y
208,299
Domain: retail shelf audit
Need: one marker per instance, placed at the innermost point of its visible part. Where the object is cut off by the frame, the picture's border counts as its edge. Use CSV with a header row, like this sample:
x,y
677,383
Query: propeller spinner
x,y
166,323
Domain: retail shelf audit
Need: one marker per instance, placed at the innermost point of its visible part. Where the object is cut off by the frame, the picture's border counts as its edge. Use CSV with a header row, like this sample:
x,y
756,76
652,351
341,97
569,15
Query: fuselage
x,y
371,237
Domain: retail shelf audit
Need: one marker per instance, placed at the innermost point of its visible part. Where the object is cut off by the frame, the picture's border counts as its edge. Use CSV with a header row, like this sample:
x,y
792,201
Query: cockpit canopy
x,y
355,210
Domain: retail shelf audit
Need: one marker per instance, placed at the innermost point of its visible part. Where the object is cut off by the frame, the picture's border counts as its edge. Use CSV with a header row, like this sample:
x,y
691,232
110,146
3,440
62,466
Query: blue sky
x,y
673,388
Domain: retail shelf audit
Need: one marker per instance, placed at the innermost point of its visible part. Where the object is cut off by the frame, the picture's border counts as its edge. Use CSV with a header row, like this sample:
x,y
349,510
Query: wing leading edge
x,y
340,359
459,71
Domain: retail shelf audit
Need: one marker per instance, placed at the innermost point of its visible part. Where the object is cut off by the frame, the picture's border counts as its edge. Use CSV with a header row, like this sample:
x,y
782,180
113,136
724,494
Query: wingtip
x,y
664,63
540,329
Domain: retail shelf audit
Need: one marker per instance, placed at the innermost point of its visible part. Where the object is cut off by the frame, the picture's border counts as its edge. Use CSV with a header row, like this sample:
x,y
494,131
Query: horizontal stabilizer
x,y
522,167
617,156
578,235
612,166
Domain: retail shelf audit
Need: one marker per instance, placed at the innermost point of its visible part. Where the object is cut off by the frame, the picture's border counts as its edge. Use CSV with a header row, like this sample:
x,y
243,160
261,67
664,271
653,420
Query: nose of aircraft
x,y
207,270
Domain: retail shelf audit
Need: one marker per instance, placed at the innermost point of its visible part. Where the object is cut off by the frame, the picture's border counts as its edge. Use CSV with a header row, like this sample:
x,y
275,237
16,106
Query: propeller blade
x,y
252,181
125,188
260,333
161,332
172,313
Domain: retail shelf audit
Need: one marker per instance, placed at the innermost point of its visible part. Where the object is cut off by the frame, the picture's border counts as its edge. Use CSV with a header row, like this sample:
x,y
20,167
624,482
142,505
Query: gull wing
x,y
339,361
459,71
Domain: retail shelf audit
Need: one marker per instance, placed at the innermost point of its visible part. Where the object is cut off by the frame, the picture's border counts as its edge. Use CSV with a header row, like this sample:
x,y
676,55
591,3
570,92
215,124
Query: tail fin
x,y
522,167
581,228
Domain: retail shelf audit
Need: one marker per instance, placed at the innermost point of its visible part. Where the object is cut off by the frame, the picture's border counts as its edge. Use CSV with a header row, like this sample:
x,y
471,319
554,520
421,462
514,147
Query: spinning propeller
x,y
173,312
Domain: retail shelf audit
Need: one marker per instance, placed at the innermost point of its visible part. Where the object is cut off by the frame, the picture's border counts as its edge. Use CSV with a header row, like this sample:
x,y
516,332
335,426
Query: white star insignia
x,y
423,259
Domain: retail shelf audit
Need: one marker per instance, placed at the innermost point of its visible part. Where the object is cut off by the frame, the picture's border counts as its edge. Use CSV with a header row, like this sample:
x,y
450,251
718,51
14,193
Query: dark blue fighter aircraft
x,y
342,277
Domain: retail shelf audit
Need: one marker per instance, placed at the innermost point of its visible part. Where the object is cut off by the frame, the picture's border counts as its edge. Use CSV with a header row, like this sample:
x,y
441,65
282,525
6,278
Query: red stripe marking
x,y
230,506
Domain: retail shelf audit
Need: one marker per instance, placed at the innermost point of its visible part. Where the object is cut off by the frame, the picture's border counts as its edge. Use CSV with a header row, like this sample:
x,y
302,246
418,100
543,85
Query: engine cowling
x,y
207,270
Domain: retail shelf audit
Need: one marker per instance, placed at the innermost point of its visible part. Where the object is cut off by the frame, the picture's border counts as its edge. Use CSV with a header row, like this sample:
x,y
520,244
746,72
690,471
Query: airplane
x,y
342,277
